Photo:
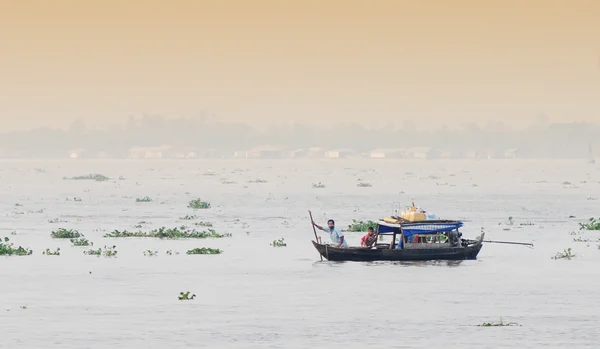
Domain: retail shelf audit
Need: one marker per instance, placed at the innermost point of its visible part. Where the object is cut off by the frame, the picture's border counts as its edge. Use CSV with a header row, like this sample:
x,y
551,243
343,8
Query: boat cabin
x,y
418,235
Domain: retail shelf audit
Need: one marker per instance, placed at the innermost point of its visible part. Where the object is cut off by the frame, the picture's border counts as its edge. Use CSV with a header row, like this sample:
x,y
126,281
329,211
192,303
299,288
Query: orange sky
x,y
317,61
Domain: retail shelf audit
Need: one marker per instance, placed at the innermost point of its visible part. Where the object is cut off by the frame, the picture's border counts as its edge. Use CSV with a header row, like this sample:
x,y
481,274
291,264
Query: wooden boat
x,y
411,241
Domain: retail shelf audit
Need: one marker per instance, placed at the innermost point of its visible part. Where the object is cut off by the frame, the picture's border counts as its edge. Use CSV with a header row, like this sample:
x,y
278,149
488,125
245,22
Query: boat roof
x,y
421,228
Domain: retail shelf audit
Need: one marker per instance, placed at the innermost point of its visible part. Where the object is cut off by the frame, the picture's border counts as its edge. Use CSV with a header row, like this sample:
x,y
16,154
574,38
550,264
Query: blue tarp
x,y
421,228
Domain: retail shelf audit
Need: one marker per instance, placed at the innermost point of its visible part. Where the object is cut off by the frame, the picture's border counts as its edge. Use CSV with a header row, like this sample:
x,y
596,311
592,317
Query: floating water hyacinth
x,y
360,226
204,250
592,224
48,252
106,252
169,233
186,296
144,199
81,242
62,233
279,243
498,324
198,204
7,248
95,177
566,254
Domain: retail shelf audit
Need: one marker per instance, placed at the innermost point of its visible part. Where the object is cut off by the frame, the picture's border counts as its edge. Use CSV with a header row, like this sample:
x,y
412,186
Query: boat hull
x,y
422,254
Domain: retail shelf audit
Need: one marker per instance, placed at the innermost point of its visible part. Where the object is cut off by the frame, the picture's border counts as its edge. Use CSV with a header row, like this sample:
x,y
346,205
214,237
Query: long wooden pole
x,y
510,243
312,222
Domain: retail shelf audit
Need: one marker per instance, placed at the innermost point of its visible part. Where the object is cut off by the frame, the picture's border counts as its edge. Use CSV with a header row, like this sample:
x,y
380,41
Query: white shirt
x,y
336,236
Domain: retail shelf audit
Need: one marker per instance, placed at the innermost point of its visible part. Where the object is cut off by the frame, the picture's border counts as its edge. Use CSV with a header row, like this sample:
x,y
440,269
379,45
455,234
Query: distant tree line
x,y
561,140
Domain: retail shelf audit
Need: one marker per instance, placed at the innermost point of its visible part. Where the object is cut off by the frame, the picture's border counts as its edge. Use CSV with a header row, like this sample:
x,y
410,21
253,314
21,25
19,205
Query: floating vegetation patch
x,y
91,177
364,185
56,220
227,182
48,252
150,253
62,233
185,296
580,239
188,218
81,242
106,252
526,224
198,204
144,199
279,243
498,324
7,248
592,224
566,254
204,250
168,233
318,185
258,180
361,226
203,224
170,252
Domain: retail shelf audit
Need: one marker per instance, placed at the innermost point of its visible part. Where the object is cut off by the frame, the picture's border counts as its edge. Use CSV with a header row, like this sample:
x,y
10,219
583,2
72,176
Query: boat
x,y
410,241
591,158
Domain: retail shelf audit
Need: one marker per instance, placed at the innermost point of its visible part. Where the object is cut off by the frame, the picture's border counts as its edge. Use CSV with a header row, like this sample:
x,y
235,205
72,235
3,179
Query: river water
x,y
257,296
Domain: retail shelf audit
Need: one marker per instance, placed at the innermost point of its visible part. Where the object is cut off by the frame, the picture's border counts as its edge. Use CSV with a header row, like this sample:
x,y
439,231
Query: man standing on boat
x,y
335,234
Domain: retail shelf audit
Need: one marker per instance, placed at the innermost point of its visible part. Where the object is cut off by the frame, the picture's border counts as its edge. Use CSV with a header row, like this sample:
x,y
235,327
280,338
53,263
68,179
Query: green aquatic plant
x,y
144,199
95,177
169,233
7,248
62,233
318,185
580,239
186,296
566,254
279,243
363,185
150,253
188,217
56,220
106,252
170,252
592,224
204,250
498,324
198,204
258,180
81,242
203,224
48,252
361,226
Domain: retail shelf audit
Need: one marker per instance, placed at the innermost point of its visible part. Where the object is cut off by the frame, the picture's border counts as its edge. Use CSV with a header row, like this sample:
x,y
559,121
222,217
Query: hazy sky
x,y
319,61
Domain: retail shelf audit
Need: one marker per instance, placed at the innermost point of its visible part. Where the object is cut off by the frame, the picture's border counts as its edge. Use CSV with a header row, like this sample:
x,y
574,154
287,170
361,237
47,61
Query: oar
x,y
510,243
312,222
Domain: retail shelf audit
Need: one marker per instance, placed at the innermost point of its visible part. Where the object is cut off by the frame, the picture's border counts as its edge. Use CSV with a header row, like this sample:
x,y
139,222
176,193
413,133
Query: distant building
x,y
148,152
511,153
420,152
77,153
340,153
391,153
266,152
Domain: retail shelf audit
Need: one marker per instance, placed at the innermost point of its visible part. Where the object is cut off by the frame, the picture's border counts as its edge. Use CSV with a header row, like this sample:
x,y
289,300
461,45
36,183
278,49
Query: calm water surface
x,y
257,296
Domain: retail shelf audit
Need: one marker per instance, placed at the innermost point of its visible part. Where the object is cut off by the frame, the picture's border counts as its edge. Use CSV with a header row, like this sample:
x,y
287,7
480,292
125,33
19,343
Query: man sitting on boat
x,y
335,234
369,238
